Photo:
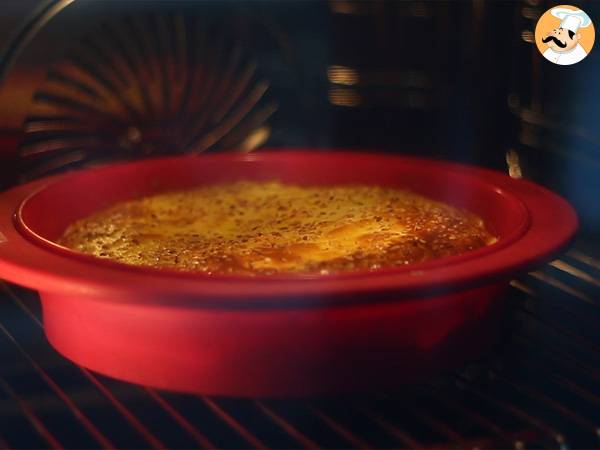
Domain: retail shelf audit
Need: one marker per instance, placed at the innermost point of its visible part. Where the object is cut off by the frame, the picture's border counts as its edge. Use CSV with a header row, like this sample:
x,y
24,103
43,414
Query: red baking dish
x,y
282,335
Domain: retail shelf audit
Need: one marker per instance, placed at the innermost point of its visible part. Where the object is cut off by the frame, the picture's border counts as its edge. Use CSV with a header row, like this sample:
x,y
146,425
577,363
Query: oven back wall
x,y
103,81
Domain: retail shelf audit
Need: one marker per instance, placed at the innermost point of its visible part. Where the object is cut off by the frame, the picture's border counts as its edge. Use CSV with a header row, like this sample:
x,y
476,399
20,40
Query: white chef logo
x,y
560,32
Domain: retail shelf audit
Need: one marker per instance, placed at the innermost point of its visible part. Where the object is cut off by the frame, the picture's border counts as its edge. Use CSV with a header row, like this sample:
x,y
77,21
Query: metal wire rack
x,y
537,389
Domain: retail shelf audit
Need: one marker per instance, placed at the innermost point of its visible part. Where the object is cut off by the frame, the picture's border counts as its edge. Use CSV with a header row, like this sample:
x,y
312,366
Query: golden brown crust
x,y
265,228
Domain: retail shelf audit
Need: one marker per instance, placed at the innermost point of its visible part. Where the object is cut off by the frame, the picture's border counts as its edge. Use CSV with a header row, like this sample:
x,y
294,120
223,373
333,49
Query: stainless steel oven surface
x,y
85,84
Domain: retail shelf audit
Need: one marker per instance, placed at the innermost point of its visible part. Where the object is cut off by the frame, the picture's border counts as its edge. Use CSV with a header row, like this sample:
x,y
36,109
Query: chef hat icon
x,y
571,19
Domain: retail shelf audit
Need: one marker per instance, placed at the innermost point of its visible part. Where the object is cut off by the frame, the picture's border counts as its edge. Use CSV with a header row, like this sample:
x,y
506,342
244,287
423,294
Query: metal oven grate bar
x,y
502,401
196,434
34,420
287,427
91,428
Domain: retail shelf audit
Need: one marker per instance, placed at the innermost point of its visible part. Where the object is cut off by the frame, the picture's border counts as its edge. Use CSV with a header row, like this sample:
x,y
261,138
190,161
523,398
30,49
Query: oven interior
x,y
85,83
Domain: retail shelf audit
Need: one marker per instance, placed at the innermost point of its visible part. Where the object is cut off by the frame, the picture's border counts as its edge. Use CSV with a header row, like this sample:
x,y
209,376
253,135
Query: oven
x,y
90,83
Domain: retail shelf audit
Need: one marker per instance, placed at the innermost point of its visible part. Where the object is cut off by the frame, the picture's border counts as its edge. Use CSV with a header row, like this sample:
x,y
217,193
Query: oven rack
x,y
539,388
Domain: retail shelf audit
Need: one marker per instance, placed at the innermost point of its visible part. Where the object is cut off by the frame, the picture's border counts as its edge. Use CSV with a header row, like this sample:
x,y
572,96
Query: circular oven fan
x,y
146,84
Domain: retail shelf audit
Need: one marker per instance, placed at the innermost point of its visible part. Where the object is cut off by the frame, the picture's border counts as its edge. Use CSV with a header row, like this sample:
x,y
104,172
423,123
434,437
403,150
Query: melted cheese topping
x,y
266,228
